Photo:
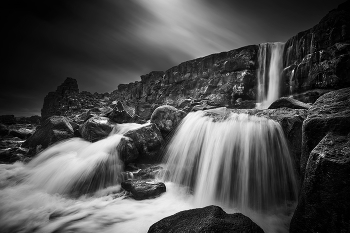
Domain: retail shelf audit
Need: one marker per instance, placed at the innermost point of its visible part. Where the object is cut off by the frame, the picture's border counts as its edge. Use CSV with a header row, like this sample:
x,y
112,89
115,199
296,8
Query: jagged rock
x,y
319,58
8,119
53,129
324,201
96,128
167,118
21,133
331,112
207,219
3,130
289,103
12,155
143,189
148,140
127,150
119,115
149,172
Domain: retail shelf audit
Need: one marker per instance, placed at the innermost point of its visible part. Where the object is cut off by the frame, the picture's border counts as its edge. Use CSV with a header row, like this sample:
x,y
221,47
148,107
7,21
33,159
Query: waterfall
x,y
270,58
238,161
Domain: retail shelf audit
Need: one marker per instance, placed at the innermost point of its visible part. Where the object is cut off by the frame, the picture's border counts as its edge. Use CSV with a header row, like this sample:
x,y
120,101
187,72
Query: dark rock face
x,y
7,119
12,155
289,103
144,189
53,129
148,141
119,115
319,58
331,112
4,130
21,133
167,118
207,219
96,128
324,202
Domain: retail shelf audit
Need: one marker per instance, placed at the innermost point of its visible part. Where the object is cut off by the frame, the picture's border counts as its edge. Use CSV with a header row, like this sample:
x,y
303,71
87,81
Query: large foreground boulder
x,y
167,118
143,189
208,219
331,112
148,141
324,202
127,150
96,128
53,129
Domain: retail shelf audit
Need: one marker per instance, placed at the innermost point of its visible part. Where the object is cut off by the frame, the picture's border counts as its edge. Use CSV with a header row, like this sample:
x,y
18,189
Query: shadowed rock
x,y
289,103
96,128
208,219
144,189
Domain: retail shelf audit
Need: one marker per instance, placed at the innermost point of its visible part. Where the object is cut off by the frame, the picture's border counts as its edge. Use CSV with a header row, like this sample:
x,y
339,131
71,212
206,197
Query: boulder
x,y
331,112
53,129
167,118
119,115
289,103
207,219
148,141
324,201
127,150
96,128
143,189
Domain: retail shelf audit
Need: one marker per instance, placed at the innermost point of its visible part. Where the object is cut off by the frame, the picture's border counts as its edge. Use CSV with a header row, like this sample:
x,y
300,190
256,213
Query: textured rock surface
x,y
119,115
53,129
324,202
289,103
96,128
207,219
143,189
127,150
331,112
167,118
320,57
148,141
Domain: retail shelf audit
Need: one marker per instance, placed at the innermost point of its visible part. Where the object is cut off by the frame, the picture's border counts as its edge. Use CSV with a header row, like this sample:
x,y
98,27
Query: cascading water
x,y
239,161
270,58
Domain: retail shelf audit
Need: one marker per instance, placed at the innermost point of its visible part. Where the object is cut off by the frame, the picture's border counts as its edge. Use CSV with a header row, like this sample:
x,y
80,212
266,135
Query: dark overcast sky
x,y
103,43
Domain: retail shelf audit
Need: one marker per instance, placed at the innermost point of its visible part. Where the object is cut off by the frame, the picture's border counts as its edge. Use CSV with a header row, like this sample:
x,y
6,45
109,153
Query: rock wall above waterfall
x,y
319,58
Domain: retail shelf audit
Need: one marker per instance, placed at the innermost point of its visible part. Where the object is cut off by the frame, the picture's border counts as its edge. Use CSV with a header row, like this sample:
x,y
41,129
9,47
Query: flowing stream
x,y
236,161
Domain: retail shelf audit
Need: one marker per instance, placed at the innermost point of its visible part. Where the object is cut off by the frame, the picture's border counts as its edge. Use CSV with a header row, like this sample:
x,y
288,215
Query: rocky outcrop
x,y
143,189
331,112
289,103
167,118
319,58
119,114
53,129
208,219
324,202
96,128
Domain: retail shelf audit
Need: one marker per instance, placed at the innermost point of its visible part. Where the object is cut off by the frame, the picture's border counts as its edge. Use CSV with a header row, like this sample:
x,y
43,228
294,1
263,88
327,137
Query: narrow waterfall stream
x,y
238,162
269,73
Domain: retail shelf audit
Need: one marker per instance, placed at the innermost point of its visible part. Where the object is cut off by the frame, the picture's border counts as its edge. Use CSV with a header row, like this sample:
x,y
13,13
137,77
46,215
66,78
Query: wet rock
x,y
207,219
167,118
289,103
324,201
96,128
143,189
53,129
12,155
148,141
21,133
119,114
149,172
127,150
331,112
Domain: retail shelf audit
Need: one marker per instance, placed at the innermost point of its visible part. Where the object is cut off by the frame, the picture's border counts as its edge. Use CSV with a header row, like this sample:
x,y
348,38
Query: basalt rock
x,y
143,189
167,118
208,219
127,150
21,133
96,128
119,114
8,119
289,103
324,201
319,58
148,140
53,129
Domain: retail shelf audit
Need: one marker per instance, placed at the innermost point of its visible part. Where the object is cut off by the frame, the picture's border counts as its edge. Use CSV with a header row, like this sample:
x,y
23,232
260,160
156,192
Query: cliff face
x,y
319,58
219,79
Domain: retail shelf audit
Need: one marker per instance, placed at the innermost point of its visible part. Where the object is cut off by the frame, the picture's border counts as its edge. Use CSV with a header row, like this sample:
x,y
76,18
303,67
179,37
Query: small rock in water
x,y
144,189
208,219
